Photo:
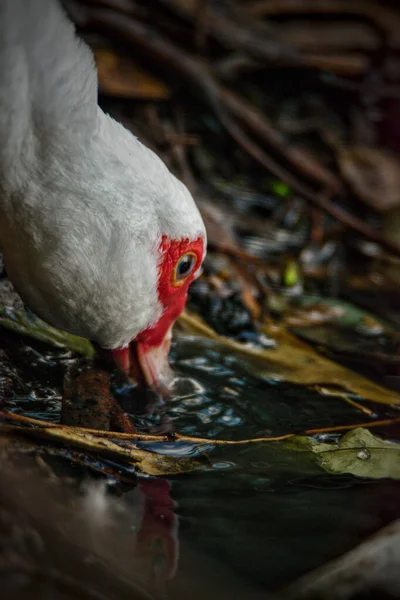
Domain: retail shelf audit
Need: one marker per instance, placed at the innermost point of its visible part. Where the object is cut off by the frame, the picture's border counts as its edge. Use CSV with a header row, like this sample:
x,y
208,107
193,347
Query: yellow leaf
x,y
294,361
120,76
147,462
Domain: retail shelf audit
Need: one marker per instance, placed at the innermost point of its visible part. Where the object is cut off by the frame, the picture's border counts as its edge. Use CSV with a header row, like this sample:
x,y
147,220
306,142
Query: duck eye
x,y
183,268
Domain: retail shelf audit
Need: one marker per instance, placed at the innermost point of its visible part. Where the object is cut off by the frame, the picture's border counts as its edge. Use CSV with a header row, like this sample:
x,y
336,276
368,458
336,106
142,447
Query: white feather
x,y
83,204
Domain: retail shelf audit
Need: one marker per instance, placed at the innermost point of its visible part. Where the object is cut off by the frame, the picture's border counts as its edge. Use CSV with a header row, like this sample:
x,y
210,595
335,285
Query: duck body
x,y
92,223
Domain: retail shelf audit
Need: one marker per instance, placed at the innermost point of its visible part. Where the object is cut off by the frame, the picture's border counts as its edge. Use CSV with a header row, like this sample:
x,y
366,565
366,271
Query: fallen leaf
x,y
146,461
357,337
294,361
18,321
358,453
119,76
313,314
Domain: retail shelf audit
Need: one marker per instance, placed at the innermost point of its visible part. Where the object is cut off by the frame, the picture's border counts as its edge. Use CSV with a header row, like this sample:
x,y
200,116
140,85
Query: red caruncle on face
x,y
146,358
172,289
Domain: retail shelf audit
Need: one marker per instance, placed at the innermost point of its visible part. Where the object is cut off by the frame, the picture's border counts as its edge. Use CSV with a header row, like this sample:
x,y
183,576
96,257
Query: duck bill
x,y
147,364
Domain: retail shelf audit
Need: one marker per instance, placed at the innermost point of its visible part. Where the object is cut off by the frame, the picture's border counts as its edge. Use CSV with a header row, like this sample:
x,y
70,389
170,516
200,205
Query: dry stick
x,y
380,423
330,38
342,65
319,200
262,44
202,22
233,66
123,6
236,31
358,406
197,440
150,43
382,17
259,125
349,65
163,51
345,396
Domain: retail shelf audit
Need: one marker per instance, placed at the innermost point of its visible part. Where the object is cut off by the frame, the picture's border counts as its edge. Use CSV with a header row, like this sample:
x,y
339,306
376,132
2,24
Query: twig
x,y
347,64
163,51
123,6
321,200
202,20
358,406
176,437
255,39
381,423
329,36
385,20
234,65
150,43
258,124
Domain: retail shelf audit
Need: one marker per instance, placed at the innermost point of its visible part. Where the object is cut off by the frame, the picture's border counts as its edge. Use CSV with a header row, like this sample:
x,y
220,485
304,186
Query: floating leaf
x,y
357,337
293,360
314,314
346,313
147,462
18,321
358,453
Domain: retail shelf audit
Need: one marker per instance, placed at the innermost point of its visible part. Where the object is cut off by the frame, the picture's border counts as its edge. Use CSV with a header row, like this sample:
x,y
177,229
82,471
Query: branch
x,y
165,53
176,437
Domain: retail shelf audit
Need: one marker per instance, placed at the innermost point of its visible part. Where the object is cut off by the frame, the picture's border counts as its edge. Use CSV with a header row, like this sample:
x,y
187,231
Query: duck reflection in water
x,y
62,543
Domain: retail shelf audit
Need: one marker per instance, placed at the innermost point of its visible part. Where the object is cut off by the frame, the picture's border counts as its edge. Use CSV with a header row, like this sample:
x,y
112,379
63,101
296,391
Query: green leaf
x,y
358,453
281,189
291,274
17,320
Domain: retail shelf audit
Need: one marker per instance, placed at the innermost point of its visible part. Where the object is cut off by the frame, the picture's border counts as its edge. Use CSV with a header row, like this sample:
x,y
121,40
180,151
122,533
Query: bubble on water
x,y
231,392
236,381
204,419
230,420
214,410
186,387
195,361
364,454
224,465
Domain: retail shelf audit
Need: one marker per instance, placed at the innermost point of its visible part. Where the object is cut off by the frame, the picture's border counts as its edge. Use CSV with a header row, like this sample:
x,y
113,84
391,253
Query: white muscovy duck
x,y
98,237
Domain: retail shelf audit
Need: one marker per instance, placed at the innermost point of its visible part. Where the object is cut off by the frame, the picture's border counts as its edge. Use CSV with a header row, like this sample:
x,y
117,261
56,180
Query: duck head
x,y
98,237
146,357
103,241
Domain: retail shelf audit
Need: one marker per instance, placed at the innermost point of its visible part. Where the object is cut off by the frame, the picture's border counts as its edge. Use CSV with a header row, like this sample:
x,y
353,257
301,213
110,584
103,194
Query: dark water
x,y
266,514
261,515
